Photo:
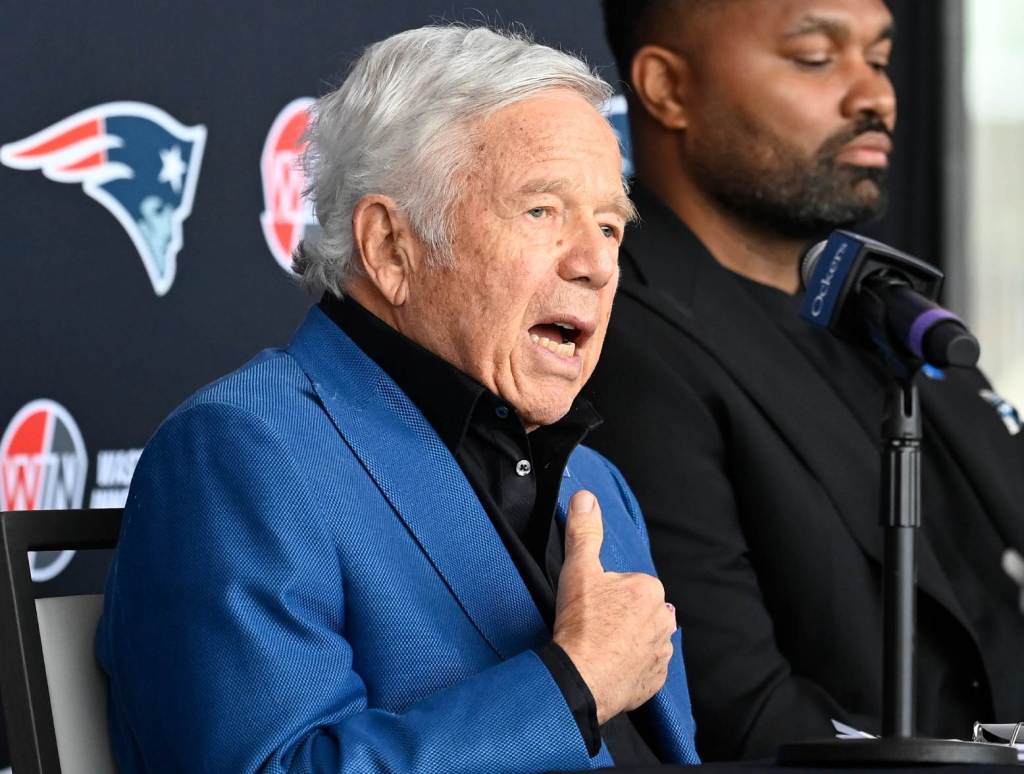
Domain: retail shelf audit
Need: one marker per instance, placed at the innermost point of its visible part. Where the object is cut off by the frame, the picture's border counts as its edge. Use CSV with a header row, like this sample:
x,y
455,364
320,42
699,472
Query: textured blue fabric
x,y
306,582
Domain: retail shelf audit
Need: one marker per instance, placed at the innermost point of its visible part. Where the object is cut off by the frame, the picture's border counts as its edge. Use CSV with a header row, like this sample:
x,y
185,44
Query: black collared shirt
x,y
517,477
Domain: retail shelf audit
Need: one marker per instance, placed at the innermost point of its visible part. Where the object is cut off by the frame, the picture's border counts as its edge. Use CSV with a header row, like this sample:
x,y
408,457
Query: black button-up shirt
x,y
517,477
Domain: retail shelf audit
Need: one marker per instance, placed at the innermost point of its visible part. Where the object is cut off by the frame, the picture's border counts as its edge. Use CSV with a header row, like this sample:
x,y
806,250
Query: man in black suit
x,y
751,439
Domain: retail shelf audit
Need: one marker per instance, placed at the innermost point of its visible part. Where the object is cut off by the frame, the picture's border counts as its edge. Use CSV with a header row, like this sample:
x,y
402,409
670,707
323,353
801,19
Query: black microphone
x,y
856,285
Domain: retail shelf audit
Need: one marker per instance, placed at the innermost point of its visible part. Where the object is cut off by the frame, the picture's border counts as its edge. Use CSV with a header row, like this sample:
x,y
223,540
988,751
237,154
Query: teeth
x,y
565,326
565,350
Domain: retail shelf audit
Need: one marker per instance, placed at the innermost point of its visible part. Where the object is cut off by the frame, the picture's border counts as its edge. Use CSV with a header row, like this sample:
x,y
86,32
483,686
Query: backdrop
x,y
148,203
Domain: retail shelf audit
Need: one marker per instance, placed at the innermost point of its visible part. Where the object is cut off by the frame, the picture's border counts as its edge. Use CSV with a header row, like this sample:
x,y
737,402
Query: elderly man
x,y
348,555
752,440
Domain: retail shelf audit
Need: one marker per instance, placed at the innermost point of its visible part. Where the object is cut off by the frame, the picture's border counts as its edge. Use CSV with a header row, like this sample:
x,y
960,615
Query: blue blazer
x,y
306,582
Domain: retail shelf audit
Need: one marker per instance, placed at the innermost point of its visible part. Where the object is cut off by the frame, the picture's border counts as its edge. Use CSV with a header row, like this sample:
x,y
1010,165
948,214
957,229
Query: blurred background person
x,y
753,440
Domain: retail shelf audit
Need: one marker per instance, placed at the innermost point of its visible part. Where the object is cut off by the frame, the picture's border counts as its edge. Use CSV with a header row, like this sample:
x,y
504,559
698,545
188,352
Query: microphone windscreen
x,y
810,261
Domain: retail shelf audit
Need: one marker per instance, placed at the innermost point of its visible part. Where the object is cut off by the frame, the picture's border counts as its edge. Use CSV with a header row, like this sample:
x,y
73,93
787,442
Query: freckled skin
x,y
524,256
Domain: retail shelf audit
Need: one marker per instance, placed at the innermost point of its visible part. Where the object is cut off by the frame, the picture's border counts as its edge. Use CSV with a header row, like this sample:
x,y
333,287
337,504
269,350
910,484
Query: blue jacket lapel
x,y
612,557
669,709
421,480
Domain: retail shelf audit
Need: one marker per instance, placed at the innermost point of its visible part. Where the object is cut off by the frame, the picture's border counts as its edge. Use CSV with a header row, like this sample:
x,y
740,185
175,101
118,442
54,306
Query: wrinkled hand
x,y
615,627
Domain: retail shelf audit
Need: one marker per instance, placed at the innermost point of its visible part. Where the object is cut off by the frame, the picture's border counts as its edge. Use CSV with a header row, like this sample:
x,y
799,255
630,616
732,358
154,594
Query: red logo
x,y
44,466
286,214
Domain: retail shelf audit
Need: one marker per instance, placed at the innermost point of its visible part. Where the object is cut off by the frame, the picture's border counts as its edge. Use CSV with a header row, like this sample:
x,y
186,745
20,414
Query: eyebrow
x,y
838,30
620,204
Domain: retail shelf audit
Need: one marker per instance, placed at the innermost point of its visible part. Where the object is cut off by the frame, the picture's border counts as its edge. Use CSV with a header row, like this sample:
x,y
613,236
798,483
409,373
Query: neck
x,y
360,290
761,256
754,252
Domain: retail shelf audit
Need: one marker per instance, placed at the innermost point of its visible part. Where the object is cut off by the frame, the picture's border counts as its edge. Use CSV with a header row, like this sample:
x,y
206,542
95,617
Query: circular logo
x,y
44,465
286,213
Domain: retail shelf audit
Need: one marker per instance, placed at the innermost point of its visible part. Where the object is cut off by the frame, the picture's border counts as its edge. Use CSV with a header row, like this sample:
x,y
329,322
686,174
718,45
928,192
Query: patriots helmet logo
x,y
134,159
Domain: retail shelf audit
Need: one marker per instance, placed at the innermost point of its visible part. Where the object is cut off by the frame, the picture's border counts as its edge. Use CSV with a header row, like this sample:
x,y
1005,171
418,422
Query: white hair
x,y
400,126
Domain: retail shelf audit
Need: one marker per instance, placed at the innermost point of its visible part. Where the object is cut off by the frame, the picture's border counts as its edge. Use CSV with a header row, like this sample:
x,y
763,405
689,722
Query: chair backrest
x,y
77,685
54,695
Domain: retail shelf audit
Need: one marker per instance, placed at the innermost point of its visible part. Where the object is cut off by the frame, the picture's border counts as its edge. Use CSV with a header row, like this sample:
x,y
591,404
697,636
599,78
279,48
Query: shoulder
x,y
266,385
264,414
271,390
653,373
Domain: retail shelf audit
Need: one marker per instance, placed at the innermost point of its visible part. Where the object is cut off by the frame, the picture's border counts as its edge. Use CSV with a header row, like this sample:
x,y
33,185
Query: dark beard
x,y
790,195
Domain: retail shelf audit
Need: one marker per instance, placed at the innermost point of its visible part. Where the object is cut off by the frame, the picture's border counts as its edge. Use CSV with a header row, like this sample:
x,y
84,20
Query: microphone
x,y
856,285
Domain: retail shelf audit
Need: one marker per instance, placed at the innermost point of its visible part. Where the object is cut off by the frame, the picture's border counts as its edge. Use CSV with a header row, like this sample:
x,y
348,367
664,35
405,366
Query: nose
x,y
870,93
591,258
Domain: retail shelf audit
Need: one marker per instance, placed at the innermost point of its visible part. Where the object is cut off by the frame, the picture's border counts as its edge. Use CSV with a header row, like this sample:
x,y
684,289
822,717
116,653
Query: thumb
x,y
584,531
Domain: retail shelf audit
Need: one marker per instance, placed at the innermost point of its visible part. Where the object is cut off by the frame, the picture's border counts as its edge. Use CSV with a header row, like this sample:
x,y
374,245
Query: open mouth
x,y
558,336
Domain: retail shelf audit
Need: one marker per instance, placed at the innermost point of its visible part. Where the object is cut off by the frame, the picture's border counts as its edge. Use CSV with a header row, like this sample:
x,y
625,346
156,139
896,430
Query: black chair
x,y
54,695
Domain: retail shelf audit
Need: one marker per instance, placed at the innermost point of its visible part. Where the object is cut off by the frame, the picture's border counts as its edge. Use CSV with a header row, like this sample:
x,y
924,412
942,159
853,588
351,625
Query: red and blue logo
x,y
44,465
137,161
287,217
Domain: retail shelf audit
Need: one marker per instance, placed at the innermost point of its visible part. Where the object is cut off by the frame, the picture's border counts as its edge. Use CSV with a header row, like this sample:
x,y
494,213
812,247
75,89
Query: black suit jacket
x,y
760,490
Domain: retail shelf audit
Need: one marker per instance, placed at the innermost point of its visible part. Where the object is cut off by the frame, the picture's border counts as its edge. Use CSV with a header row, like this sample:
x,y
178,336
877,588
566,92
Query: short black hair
x,y
623,23
629,25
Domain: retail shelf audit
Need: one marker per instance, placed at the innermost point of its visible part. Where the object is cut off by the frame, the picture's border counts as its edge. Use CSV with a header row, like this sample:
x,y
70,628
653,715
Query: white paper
x,y
844,731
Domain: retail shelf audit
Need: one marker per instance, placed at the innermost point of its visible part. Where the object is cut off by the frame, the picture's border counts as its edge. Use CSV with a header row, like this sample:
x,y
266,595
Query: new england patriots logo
x,y
135,160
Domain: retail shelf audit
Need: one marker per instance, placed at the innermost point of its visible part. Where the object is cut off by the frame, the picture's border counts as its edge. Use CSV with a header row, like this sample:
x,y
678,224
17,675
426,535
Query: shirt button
x,y
502,412
523,468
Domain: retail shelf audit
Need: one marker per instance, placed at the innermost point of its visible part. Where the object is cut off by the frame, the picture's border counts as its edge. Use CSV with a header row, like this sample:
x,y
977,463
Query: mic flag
x,y
856,286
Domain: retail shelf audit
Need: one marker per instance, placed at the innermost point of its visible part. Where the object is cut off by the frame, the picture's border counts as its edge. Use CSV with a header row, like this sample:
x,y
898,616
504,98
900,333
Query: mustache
x,y
837,141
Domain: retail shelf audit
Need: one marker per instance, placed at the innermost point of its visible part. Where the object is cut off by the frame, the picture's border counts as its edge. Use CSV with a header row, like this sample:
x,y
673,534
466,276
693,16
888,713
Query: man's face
x,y
538,223
792,113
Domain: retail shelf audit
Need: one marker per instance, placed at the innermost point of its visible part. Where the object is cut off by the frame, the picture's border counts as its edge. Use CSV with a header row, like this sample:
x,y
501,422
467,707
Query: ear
x,y
385,246
661,81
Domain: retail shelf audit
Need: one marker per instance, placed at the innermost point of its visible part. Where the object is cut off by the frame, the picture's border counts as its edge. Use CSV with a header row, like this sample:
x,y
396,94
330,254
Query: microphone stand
x,y
900,517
